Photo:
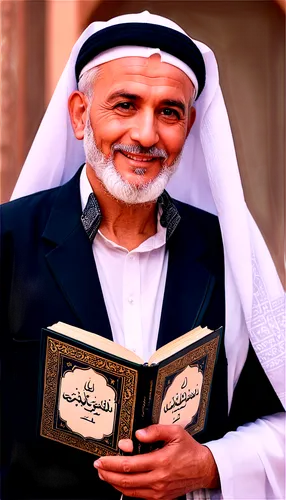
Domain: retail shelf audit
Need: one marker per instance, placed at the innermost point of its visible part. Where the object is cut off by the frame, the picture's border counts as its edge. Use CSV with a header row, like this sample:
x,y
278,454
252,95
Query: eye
x,y
170,112
125,106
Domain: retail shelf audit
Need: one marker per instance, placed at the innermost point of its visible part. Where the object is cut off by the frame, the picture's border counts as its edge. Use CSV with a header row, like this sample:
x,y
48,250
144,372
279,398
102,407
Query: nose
x,y
144,129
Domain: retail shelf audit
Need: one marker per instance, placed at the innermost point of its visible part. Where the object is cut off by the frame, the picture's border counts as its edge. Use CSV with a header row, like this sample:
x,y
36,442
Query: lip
x,y
140,159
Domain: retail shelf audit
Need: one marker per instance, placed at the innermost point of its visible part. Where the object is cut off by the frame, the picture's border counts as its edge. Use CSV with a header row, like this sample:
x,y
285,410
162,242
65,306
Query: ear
x,y
191,119
78,105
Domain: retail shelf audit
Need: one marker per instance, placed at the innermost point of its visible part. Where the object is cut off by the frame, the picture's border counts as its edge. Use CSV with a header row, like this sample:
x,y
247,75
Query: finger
x,y
158,432
137,463
138,493
126,445
145,494
127,481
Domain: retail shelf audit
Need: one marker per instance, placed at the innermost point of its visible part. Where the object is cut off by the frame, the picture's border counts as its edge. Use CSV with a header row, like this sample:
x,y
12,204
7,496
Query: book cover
x,y
90,398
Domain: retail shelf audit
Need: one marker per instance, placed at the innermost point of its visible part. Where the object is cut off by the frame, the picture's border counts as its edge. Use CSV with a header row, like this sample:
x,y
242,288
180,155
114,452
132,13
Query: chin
x,y
139,184
129,187
134,194
139,174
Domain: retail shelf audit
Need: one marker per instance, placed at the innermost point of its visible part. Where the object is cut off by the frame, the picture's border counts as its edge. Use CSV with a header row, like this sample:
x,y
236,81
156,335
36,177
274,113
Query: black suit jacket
x,y
48,274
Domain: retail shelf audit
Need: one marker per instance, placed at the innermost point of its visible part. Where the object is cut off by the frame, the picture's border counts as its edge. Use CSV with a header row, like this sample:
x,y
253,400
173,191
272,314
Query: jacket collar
x,y
71,260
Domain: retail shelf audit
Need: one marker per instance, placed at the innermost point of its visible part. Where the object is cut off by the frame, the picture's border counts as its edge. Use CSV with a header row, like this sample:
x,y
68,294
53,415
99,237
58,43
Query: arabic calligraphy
x,y
88,405
86,398
182,398
88,387
179,401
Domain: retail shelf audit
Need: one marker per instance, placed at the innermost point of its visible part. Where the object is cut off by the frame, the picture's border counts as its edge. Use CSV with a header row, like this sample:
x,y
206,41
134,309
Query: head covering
x,y
179,45
138,51
208,178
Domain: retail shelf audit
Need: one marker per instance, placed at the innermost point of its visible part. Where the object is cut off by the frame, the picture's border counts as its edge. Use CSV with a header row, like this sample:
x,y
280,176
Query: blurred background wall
x,y
248,38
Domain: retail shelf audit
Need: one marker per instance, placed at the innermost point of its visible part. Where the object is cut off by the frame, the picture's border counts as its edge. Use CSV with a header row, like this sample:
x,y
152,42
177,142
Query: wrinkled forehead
x,y
140,76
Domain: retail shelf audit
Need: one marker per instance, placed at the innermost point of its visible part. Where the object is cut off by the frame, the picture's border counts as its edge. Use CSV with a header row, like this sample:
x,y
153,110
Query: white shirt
x,y
132,284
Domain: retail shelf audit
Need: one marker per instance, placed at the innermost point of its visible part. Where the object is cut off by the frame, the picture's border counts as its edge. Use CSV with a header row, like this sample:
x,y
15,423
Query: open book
x,y
95,392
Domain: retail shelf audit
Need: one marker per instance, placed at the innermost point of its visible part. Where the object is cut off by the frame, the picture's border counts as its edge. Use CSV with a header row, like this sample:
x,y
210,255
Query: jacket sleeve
x,y
251,460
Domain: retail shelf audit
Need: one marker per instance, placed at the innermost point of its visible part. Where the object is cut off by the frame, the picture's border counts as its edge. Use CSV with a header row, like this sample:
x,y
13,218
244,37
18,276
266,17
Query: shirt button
x,y
130,300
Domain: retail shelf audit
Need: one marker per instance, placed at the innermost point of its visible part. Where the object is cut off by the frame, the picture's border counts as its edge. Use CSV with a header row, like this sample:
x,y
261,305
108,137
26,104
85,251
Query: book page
x,y
88,400
183,386
87,403
178,344
96,341
182,399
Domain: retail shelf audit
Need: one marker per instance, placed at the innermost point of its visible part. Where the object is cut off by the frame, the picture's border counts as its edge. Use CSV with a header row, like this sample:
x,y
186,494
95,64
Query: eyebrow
x,y
123,93
176,103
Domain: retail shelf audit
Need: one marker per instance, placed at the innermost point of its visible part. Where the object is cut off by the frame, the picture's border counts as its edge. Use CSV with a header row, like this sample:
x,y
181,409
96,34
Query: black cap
x,y
144,35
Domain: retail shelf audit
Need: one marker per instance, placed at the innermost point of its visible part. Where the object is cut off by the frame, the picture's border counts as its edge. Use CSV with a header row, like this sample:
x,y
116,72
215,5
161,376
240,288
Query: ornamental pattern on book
x,y
56,349
204,358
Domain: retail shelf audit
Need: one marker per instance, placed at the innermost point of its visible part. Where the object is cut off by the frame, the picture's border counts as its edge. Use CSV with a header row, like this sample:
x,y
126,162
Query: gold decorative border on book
x,y
208,350
55,350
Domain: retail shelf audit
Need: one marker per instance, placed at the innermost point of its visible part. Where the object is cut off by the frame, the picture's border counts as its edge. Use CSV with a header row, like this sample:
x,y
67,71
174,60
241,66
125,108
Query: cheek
x,y
108,130
173,138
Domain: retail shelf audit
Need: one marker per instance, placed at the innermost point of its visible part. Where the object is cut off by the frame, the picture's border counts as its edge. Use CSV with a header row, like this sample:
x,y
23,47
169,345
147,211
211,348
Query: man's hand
x,y
182,465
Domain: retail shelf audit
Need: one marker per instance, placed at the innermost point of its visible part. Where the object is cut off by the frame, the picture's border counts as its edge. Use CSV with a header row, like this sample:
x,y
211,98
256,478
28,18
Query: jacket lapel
x,y
72,263
189,282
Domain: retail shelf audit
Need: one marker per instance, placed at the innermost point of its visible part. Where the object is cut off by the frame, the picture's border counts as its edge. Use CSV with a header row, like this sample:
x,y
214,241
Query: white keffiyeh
x,y
208,177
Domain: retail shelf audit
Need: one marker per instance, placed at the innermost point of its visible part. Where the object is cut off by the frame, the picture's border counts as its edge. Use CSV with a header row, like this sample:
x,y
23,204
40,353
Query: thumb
x,y
125,445
158,432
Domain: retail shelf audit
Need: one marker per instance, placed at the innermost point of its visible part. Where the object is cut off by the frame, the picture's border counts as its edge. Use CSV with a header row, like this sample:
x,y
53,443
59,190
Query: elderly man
x,y
111,252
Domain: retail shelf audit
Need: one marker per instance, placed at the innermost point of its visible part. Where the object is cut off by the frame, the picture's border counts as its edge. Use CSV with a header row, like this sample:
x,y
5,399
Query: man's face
x,y
140,116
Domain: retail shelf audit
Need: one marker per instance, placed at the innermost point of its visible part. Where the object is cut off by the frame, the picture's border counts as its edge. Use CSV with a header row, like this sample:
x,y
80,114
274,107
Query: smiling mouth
x,y
140,158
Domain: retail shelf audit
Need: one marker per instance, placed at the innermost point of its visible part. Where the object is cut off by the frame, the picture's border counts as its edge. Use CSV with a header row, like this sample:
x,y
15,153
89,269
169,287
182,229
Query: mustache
x,y
137,149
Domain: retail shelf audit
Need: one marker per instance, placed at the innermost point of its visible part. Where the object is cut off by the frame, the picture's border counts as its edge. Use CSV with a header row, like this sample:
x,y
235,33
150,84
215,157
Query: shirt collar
x,y
91,214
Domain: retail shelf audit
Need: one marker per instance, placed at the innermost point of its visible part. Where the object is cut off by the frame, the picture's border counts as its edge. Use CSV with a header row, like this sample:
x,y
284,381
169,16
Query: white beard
x,y
120,189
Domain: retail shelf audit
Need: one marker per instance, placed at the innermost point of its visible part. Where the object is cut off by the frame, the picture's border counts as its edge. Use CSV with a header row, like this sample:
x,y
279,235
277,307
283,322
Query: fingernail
x,y
100,476
141,433
97,464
